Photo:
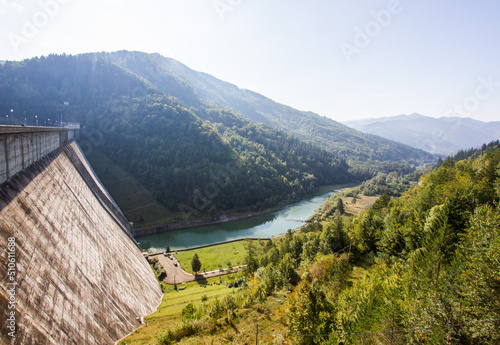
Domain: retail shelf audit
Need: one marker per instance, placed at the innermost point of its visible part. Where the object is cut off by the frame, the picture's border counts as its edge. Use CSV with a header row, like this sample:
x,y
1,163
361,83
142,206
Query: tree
x,y
307,312
195,264
382,201
251,257
340,206
168,249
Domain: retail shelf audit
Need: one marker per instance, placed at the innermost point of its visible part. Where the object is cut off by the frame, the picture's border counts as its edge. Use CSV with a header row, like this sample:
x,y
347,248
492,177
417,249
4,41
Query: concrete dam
x,y
71,272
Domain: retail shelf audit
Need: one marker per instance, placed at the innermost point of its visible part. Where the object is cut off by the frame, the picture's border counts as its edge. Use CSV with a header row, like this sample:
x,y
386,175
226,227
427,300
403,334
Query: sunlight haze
x,y
343,60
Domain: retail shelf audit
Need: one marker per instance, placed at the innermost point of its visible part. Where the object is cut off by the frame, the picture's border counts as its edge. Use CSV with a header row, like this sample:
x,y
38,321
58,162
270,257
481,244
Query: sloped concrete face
x,y
69,272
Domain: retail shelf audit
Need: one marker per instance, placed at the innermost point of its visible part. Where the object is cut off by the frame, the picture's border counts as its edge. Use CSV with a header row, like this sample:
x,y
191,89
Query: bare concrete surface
x,y
78,277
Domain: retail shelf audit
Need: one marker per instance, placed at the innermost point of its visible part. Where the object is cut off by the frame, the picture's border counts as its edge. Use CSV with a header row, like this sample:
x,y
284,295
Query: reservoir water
x,y
267,225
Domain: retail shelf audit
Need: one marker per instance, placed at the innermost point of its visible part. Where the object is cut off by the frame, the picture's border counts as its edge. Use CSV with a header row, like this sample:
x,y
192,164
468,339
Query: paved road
x,y
176,275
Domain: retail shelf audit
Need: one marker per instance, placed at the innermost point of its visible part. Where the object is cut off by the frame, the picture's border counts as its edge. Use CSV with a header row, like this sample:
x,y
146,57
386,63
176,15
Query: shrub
x,y
173,336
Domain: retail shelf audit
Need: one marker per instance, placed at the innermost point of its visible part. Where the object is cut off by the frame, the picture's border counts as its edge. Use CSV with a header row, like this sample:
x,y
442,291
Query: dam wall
x,y
70,272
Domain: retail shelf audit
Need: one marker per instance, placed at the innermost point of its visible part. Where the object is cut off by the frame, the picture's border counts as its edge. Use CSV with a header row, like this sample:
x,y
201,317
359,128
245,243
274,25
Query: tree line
x,y
418,269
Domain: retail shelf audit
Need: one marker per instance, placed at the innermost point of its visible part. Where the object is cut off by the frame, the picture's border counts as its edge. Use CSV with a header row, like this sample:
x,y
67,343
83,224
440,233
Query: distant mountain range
x,y
445,135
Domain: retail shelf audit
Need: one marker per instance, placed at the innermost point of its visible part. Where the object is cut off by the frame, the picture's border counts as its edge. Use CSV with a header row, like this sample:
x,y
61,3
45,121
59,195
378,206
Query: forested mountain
x,y
192,87
197,162
431,260
445,135
418,269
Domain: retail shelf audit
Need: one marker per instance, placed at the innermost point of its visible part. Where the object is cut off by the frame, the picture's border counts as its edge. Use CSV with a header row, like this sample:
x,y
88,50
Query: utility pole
x,y
349,255
257,335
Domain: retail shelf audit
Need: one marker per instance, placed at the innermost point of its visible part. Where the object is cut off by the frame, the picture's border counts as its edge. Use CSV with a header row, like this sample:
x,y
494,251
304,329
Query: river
x,y
266,225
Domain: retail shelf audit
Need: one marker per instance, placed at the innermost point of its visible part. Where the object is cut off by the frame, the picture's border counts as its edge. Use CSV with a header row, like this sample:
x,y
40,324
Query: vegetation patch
x,y
173,302
418,269
222,256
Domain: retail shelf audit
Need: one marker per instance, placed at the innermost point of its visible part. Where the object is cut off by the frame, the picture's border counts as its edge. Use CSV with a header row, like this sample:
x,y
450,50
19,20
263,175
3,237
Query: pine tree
x,y
195,264
340,206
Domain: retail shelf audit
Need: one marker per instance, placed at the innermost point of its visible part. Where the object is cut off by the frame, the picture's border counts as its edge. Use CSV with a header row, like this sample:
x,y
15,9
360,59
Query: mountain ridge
x,y
444,135
306,125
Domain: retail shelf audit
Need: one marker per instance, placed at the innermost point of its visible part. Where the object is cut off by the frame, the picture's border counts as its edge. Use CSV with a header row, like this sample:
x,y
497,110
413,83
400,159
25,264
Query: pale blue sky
x,y
342,59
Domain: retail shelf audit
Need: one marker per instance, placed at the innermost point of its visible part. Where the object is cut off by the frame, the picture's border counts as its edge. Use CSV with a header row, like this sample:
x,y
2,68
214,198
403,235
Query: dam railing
x,y
22,146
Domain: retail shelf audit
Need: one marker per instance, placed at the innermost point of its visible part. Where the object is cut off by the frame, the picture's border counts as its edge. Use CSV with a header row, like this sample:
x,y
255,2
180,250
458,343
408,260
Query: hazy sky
x,y
342,59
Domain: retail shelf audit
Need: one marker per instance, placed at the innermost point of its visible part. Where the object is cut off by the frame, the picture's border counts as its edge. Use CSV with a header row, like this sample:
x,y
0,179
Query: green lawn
x,y
224,254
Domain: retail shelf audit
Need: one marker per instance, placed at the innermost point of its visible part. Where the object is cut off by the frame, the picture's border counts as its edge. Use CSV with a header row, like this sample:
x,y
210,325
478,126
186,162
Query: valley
x,y
168,151
395,272
407,253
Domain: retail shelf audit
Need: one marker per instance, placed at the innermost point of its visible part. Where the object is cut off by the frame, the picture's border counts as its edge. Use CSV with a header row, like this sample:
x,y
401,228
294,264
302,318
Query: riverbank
x,y
191,224
138,232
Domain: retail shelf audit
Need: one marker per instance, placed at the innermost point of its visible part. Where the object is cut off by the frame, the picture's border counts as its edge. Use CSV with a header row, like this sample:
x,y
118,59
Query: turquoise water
x,y
267,225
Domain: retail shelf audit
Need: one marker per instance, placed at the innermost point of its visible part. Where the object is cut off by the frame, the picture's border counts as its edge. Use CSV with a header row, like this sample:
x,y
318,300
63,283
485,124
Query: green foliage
x,y
382,201
307,312
158,268
364,232
430,267
431,259
251,257
195,263
332,270
173,336
332,237
478,261
340,206
189,312
395,182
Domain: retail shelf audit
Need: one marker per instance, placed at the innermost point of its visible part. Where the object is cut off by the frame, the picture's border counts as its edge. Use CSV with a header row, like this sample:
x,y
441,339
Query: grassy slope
x,y
363,202
243,331
169,311
129,193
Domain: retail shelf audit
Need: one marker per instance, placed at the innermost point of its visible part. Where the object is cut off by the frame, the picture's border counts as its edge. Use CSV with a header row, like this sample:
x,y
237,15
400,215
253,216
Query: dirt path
x,y
176,275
